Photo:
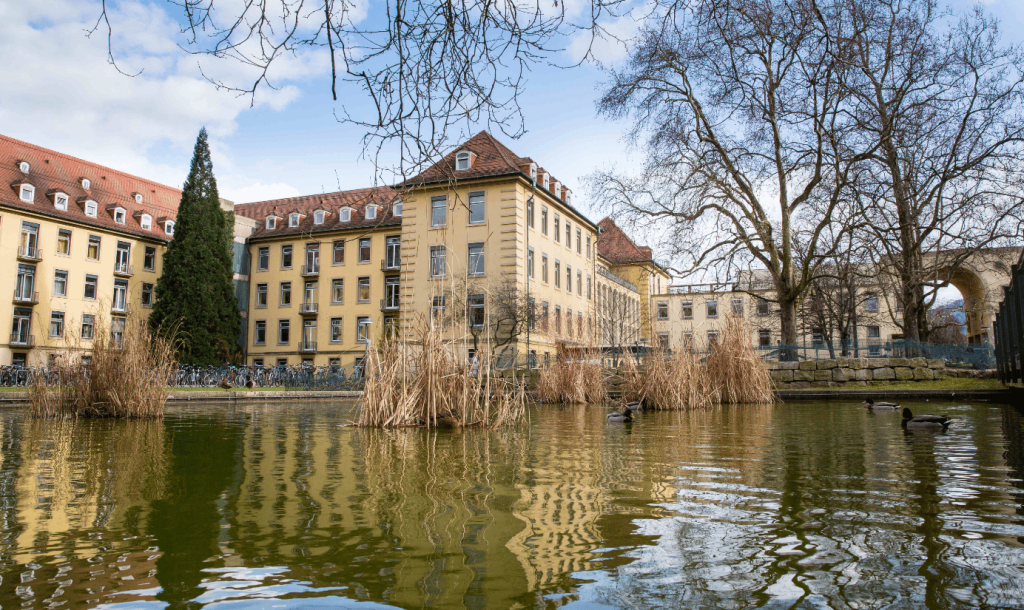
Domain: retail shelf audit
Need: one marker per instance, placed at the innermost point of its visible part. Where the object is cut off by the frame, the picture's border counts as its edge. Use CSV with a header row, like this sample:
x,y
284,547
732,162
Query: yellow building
x,y
83,245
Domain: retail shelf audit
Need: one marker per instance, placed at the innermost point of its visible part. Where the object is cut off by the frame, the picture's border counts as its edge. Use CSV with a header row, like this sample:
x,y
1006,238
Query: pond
x,y
796,505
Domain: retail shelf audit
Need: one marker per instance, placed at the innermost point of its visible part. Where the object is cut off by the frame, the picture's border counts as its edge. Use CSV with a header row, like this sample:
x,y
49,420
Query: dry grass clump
x,y
428,385
573,379
127,376
731,373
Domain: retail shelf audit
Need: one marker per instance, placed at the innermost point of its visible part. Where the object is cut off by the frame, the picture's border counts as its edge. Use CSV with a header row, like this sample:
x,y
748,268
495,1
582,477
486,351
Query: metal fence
x,y
976,356
1009,328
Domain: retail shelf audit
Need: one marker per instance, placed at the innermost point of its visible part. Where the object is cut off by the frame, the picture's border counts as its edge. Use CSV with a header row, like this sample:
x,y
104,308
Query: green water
x,y
798,505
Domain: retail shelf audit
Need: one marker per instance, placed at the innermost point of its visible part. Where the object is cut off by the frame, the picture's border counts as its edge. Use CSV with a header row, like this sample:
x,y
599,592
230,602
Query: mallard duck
x,y
887,406
924,422
635,405
624,417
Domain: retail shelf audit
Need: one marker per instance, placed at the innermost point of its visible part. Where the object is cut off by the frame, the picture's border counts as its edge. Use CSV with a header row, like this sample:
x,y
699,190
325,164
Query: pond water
x,y
797,505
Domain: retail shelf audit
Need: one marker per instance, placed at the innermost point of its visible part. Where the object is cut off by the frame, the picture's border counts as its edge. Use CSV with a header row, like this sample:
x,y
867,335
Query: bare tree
x,y
939,100
742,115
489,311
945,325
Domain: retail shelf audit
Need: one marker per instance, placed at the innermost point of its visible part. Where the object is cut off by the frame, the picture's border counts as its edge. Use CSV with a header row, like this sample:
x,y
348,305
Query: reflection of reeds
x,y
575,379
126,377
427,384
732,373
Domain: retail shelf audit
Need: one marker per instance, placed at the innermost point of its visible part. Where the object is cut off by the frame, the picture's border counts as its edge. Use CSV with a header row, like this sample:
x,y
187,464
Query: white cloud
x,y
260,192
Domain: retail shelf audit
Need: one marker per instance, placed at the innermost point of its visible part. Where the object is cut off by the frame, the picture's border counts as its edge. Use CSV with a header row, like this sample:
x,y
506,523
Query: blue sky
x,y
61,92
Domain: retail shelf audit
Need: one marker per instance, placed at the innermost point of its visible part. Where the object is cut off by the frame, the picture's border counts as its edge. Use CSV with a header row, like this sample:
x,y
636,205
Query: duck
x,y
924,422
625,417
871,404
635,405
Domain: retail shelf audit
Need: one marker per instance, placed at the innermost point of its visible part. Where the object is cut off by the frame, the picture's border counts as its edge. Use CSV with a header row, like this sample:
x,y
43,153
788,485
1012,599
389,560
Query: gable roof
x,y
51,171
356,199
617,247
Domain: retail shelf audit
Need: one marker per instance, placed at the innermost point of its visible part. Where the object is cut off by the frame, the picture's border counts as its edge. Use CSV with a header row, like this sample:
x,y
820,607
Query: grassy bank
x,y
938,384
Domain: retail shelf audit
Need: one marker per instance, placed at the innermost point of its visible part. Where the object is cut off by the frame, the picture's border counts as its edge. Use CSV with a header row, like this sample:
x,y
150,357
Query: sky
x,y
62,92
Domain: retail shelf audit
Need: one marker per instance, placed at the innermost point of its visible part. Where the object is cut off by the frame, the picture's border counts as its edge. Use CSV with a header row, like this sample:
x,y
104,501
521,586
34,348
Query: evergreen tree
x,y
195,292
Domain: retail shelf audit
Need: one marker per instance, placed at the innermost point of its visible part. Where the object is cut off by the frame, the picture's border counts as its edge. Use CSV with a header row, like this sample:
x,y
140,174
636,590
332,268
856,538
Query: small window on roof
x,y
371,212
568,196
318,217
293,219
90,208
119,215
346,215
533,171
28,193
169,227
146,222
271,223
24,167
138,197
396,209
545,180
60,201
462,160
86,183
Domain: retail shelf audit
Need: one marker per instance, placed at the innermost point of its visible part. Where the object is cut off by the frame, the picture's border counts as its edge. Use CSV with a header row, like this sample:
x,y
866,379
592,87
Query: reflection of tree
x,y
935,570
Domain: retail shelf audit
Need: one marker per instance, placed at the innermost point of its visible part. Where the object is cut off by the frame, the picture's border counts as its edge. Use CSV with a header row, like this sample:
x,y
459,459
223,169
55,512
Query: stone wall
x,y
853,372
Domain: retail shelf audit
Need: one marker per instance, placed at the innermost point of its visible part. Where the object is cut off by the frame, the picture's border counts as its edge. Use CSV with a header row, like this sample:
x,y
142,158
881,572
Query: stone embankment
x,y
854,372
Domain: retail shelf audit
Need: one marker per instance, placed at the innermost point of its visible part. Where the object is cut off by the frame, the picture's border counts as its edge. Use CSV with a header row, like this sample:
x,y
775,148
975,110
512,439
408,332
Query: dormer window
x,y
533,172
545,180
138,197
169,227
90,208
293,219
557,190
318,217
24,167
27,192
271,223
568,196
60,201
346,215
146,222
86,184
462,160
119,215
396,209
371,212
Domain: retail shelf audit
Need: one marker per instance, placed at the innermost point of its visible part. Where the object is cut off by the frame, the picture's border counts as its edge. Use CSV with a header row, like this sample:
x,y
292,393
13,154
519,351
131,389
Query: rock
x,y
883,374
895,362
799,385
823,375
843,362
858,363
781,376
939,373
842,374
923,374
904,373
936,363
824,365
863,384
862,374
919,362
877,363
788,366
808,365
803,375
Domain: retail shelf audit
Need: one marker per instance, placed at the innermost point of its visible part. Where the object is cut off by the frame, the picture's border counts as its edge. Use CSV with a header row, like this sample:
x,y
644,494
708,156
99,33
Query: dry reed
x,y
577,379
126,377
737,370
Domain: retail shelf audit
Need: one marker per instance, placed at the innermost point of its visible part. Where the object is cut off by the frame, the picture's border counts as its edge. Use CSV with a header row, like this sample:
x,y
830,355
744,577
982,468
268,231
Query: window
x,y
28,193
568,235
558,319
544,220
589,292
544,268
437,306
737,308
122,255
90,208
529,262
312,265
282,362
462,161
363,329
476,208
688,339
147,295
579,241
568,322
293,220
258,361
146,222
556,231
336,325
64,242
568,279
588,250
371,212
60,201
663,310
557,189
545,180
437,262
318,217
119,215
871,302
391,292
149,259
57,324
558,273
286,257
687,310
284,328
338,291
286,294
712,338
529,212
396,209
90,288
712,307
438,211
60,283
263,259
259,335
874,332
86,184
476,310
364,249
261,295
363,294
579,283
138,197
393,252
345,215
24,167
544,316
476,259
764,338
88,326
120,301
762,307
93,251
663,340
169,227
339,252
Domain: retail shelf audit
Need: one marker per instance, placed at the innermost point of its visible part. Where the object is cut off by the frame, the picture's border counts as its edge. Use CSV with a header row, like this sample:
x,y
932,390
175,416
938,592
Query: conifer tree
x,y
195,293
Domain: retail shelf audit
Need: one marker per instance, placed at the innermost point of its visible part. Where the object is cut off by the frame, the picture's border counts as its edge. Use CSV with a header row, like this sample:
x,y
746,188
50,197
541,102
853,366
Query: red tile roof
x,y
617,247
51,171
331,202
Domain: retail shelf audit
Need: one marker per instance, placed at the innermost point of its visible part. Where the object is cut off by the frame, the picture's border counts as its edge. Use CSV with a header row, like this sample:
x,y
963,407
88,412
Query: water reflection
x,y
794,505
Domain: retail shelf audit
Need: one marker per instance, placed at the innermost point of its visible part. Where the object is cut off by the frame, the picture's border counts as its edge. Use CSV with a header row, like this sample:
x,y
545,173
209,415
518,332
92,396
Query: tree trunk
x,y
787,317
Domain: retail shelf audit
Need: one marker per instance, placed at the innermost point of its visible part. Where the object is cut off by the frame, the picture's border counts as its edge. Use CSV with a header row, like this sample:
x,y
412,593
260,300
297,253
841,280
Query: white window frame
x,y
120,214
138,197
146,222
86,183
293,219
27,193
271,223
60,201
169,227
462,161
345,215
318,217
91,208
24,167
371,212
396,210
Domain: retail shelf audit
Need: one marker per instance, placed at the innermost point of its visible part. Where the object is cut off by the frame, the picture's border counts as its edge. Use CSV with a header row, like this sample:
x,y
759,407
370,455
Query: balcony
x,y
393,266
120,309
30,254
307,347
308,309
22,340
124,270
25,297
389,304
310,270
